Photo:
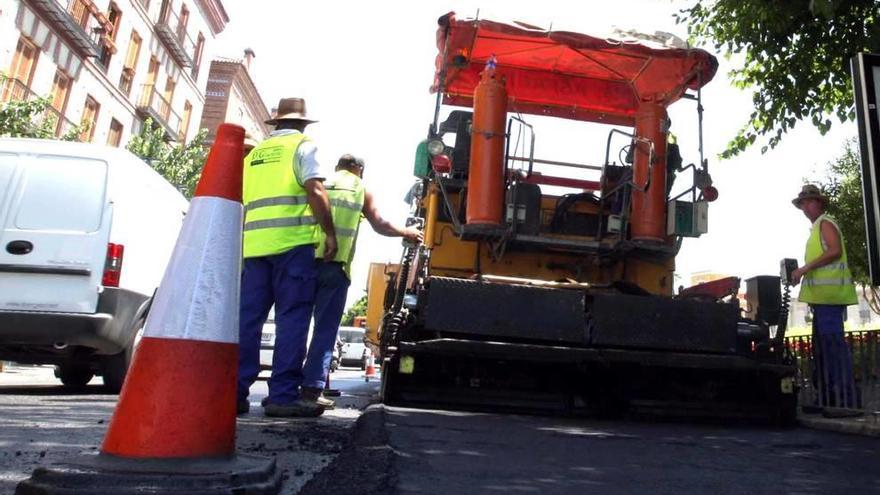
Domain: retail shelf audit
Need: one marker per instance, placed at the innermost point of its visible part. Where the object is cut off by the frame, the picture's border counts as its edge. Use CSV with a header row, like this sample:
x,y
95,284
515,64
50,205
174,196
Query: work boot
x,y
314,395
242,407
299,409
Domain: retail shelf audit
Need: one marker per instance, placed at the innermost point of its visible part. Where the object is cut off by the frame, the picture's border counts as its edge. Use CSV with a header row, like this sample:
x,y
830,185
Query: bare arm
x,y
384,227
320,203
833,251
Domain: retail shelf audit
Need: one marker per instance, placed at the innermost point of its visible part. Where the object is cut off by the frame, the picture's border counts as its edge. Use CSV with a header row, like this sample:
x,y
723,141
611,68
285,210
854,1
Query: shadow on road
x,y
45,390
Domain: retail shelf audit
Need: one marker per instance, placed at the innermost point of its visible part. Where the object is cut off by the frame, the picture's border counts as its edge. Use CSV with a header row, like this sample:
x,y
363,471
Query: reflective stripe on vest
x,y
277,214
829,284
346,192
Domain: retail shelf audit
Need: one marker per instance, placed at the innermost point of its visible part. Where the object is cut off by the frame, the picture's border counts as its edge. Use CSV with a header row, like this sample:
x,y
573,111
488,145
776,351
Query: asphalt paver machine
x,y
544,283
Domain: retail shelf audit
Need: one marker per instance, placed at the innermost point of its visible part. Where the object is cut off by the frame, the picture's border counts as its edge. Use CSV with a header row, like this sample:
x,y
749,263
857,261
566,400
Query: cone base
x,y
105,474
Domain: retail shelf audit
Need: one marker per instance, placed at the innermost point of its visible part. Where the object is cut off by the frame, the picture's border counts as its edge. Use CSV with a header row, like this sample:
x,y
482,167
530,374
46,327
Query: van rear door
x,y
55,221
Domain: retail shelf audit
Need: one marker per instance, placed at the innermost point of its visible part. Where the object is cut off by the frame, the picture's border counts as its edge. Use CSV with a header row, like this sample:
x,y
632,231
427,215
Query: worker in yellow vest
x,y
349,202
827,286
287,213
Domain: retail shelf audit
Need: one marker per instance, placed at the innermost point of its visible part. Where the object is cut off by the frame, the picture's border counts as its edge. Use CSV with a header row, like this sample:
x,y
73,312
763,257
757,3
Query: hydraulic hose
x,y
783,312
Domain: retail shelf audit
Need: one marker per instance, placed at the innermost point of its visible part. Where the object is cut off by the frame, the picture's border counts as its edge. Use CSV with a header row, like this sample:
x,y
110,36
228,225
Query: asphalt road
x,y
41,423
399,450
447,452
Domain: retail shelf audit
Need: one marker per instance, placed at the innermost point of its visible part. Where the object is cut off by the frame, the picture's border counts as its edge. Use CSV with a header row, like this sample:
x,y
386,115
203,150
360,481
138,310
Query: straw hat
x,y
809,191
290,109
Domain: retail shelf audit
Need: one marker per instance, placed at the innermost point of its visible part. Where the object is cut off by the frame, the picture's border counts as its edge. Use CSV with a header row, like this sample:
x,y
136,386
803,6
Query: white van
x,y
85,234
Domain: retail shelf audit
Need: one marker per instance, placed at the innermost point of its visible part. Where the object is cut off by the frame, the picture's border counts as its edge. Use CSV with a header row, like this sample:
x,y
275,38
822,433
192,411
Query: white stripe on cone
x,y
199,294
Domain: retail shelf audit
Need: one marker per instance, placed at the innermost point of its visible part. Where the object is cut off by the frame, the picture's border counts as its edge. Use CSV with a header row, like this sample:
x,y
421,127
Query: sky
x,y
365,69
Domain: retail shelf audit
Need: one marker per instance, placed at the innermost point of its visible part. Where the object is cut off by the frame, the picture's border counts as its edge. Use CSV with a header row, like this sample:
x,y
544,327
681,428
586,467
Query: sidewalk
x,y
866,425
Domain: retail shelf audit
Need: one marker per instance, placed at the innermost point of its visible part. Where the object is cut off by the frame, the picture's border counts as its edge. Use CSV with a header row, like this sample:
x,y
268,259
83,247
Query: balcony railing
x,y
75,22
15,90
154,105
836,384
173,34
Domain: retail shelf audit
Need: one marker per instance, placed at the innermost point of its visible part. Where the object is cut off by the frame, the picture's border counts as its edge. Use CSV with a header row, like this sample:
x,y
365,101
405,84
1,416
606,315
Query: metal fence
x,y
842,373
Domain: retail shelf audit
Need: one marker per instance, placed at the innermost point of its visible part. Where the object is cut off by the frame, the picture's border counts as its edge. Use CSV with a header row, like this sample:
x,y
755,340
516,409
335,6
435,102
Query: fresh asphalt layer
x,y
398,450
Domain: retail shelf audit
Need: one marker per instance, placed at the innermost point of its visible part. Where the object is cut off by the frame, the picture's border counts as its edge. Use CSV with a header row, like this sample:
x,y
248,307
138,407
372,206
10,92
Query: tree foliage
x,y
843,186
33,118
795,58
359,308
180,164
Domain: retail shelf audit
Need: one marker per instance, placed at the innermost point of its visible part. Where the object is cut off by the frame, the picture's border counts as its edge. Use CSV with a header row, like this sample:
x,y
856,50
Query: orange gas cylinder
x,y
648,221
485,198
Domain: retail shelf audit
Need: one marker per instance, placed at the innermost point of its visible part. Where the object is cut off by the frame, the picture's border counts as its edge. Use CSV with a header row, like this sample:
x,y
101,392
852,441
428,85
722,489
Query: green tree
x,y
180,164
33,118
359,308
795,58
843,186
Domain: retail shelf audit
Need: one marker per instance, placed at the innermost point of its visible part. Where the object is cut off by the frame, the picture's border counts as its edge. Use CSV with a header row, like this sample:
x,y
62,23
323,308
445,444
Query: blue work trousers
x,y
832,361
288,281
329,304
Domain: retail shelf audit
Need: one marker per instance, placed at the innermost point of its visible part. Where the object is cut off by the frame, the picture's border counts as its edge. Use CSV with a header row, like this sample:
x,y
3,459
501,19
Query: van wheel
x,y
115,367
74,376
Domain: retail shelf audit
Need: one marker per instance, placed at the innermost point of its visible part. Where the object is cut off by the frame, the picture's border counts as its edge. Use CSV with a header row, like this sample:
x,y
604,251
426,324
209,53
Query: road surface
x,y
41,422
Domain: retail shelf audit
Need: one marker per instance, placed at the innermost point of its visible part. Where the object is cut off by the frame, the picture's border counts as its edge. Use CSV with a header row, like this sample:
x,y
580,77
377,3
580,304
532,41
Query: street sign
x,y
866,82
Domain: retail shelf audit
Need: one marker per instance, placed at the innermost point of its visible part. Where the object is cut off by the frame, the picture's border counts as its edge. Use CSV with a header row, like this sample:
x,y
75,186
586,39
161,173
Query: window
x,y
197,56
167,97
89,119
114,137
108,45
181,25
129,66
60,92
153,71
165,11
184,121
79,10
21,72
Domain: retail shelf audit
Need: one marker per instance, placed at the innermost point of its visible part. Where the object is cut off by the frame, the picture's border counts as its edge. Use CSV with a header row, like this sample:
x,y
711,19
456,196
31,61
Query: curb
x,y
366,464
868,425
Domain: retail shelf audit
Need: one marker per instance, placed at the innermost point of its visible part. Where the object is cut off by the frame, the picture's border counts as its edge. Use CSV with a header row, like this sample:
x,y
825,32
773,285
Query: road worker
x,y
287,213
349,201
827,286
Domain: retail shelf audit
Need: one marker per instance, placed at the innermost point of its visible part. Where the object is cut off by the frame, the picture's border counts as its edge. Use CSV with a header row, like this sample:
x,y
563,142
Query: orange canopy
x,y
564,74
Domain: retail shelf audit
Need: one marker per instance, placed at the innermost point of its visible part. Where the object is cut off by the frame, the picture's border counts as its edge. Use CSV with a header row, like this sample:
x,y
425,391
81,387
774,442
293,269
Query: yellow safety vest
x,y
829,284
346,193
277,215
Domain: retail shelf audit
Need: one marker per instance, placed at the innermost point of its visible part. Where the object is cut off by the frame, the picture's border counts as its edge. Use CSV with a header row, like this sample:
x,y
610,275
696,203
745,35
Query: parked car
x,y
267,342
267,345
86,232
354,351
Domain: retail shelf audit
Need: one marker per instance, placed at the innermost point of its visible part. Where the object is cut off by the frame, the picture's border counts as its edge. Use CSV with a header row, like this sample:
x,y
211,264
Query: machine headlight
x,y
435,147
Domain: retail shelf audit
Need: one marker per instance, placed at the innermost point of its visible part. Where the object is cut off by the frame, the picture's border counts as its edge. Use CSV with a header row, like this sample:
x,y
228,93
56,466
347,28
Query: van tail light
x,y
113,265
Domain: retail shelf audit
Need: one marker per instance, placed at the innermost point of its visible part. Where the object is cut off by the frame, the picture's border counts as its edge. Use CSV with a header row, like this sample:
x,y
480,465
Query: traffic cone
x,y
173,430
371,368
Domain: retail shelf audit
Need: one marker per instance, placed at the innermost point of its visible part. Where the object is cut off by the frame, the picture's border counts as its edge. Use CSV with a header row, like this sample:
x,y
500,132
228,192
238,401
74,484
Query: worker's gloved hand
x,y
330,247
413,235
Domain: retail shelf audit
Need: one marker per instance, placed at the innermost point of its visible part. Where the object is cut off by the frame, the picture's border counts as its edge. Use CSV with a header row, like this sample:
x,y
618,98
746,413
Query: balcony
x,y
15,90
77,21
173,35
154,105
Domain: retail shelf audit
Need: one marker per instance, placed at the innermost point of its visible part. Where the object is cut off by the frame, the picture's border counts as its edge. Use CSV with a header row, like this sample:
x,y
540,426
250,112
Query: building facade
x,y
232,97
111,64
